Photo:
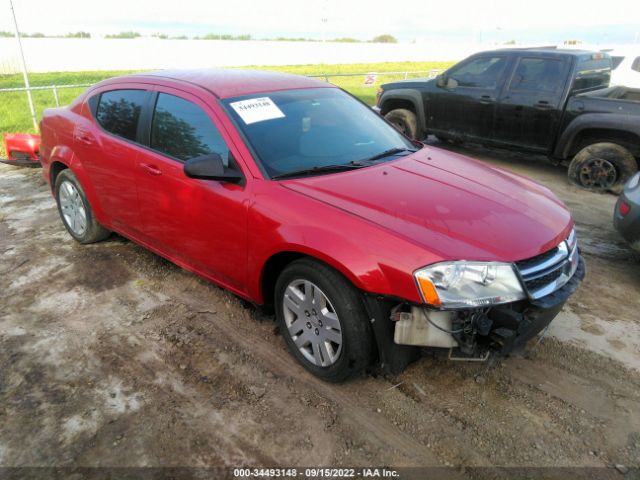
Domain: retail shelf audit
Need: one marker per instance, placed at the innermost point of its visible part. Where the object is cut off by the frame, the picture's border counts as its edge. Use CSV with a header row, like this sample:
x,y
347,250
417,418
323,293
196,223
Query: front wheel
x,y
322,319
601,167
405,122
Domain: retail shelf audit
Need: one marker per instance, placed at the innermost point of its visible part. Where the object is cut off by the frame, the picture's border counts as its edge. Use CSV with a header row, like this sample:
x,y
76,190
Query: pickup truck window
x,y
592,74
119,110
535,74
481,72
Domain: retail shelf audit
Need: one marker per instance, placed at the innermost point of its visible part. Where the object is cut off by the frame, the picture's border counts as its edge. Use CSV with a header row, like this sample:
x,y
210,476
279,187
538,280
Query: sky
x,y
409,20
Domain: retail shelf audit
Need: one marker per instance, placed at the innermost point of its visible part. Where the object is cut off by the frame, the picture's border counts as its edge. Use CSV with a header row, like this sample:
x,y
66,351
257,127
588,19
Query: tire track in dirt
x,y
276,359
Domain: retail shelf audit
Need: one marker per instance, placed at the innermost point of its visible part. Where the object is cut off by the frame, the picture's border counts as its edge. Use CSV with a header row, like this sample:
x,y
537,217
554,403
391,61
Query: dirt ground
x,y
112,356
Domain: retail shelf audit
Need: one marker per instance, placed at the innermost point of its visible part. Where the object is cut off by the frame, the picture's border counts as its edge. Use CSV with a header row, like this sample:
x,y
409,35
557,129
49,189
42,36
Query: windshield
x,y
303,130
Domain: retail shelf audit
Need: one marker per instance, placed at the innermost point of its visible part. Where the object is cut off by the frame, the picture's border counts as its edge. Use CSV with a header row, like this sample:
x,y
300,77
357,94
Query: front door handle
x,y
487,99
151,169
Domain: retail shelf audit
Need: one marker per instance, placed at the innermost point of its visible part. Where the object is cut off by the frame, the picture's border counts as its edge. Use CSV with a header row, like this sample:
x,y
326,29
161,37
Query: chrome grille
x,y
549,271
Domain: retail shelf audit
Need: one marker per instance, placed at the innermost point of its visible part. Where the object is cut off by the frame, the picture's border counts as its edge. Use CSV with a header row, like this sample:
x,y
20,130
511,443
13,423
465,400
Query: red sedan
x,y
294,195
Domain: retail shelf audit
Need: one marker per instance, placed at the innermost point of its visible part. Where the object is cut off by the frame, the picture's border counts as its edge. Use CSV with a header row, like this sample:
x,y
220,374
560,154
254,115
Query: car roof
x,y
231,82
574,52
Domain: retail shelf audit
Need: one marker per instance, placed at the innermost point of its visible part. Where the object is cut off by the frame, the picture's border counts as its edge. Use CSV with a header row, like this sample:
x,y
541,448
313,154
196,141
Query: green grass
x,y
14,109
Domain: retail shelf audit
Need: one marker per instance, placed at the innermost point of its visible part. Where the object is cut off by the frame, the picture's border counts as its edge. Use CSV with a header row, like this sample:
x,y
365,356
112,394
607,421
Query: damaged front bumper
x,y
472,333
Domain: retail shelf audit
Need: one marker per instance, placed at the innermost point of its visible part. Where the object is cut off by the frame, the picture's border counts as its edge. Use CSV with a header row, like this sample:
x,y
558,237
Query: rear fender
x,y
617,123
64,154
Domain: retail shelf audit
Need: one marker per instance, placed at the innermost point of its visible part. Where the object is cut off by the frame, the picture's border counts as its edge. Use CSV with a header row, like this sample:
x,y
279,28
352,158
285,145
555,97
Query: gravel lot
x,y
112,356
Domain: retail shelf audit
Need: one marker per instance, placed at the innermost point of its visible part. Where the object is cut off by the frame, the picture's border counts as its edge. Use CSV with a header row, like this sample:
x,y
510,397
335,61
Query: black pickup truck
x,y
550,101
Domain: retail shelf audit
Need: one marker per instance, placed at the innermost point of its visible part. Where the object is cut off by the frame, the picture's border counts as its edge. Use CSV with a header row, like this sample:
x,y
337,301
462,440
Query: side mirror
x,y
441,80
452,83
211,167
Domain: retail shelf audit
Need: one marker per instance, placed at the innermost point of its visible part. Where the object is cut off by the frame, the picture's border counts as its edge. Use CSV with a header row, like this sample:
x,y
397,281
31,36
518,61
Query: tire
x,y
75,211
601,167
452,141
405,121
316,280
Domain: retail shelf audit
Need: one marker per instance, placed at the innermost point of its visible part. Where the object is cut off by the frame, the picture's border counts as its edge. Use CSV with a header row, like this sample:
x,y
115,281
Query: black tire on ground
x,y
94,232
601,167
405,121
357,351
453,141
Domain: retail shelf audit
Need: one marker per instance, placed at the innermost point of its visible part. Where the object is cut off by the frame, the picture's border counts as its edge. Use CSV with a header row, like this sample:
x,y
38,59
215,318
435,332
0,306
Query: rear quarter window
x,y
592,73
118,112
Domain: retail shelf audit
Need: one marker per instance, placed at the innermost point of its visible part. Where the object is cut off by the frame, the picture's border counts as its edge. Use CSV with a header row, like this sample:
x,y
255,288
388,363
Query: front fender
x,y
372,259
406,94
332,249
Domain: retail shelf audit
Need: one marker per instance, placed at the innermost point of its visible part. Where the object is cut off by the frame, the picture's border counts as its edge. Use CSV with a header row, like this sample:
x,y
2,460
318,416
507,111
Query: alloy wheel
x,y
598,173
72,207
312,323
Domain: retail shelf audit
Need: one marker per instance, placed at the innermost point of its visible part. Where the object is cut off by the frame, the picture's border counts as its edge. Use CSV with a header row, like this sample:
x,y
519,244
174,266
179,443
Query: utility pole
x,y
324,20
24,69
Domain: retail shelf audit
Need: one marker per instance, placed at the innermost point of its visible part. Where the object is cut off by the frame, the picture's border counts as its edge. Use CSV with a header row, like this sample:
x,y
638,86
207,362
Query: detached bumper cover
x,y
23,149
21,163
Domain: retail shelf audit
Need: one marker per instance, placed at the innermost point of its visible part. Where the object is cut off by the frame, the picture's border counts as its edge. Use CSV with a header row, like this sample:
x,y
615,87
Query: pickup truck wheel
x,y
75,211
322,319
601,167
405,121
453,141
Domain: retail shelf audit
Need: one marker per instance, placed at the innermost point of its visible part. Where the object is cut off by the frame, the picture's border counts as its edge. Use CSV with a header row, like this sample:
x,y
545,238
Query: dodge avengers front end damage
x,y
474,308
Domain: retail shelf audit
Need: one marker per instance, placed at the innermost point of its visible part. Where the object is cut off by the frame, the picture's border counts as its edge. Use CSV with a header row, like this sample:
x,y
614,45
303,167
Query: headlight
x,y
469,284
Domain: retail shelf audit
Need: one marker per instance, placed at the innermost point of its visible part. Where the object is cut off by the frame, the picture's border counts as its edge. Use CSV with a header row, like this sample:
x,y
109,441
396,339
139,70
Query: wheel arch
x,y
278,261
588,129
404,98
63,158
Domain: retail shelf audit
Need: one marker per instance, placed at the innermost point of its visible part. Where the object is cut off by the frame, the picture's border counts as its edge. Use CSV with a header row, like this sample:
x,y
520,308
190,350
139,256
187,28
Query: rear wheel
x,y
75,211
323,321
601,167
453,141
405,121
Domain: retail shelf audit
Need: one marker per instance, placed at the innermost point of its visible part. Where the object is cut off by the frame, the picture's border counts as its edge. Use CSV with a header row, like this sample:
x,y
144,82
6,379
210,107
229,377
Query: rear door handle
x,y
151,169
85,138
543,105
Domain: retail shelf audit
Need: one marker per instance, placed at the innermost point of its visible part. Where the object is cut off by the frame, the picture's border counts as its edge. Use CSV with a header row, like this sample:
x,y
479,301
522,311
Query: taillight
x,y
378,95
623,208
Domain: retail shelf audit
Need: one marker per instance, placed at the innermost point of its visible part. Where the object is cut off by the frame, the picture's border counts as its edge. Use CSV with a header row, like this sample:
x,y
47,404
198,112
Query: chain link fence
x,y
15,117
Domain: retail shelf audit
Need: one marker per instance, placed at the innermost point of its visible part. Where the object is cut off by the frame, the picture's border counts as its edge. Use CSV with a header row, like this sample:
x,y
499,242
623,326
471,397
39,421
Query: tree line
x,y
384,38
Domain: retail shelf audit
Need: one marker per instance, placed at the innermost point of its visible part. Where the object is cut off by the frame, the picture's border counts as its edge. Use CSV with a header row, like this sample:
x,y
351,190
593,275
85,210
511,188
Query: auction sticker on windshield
x,y
257,110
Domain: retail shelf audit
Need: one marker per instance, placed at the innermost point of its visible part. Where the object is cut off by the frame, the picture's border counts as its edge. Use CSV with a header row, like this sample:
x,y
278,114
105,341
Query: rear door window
x,y
182,130
539,74
118,112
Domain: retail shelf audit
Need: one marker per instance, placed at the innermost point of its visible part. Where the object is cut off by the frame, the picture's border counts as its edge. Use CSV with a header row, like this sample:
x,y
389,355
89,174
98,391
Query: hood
x,y
455,207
